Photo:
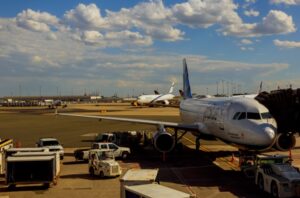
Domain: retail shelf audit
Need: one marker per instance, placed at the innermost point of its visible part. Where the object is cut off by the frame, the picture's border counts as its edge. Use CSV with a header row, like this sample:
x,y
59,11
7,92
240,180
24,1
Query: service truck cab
x,y
118,151
276,175
103,164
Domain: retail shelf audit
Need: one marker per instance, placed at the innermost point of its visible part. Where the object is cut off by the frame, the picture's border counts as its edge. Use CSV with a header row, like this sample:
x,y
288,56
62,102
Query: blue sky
x,y
69,47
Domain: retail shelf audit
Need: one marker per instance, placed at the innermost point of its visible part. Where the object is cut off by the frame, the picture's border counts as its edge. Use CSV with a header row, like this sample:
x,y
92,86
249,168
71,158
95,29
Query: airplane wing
x,y
174,125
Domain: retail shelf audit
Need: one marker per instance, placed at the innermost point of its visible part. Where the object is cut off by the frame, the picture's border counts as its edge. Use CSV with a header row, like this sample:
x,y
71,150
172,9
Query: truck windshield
x,y
105,155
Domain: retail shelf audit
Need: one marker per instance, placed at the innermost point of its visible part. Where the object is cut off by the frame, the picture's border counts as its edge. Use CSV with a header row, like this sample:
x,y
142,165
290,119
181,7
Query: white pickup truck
x,y
275,175
119,152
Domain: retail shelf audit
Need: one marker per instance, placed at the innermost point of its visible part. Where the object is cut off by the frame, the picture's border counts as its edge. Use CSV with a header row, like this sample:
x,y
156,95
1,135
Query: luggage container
x,y
141,183
153,191
30,170
55,154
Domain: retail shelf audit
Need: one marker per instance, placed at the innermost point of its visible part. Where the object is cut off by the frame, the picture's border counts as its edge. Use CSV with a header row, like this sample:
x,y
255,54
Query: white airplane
x,y
156,98
239,121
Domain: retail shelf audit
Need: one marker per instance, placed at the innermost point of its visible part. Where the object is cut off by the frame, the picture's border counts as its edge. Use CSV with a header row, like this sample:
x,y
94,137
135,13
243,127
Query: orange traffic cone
x,y
18,144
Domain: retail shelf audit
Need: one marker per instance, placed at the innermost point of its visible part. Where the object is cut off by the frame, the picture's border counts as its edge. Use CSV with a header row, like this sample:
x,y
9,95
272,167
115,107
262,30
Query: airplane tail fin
x,y
186,82
172,87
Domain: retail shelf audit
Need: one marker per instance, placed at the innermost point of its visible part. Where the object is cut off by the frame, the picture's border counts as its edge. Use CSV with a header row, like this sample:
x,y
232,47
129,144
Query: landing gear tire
x,y
101,174
46,185
179,147
260,182
274,189
12,187
92,171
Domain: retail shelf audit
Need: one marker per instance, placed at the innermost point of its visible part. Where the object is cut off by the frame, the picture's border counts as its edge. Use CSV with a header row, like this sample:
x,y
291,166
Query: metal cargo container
x,y
55,154
30,170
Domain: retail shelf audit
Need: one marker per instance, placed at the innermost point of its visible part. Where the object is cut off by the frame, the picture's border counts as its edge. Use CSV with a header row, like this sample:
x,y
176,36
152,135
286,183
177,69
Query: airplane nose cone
x,y
268,135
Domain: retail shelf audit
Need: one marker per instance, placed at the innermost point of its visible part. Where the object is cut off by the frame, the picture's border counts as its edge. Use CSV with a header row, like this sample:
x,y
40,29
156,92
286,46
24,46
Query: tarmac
x,y
211,172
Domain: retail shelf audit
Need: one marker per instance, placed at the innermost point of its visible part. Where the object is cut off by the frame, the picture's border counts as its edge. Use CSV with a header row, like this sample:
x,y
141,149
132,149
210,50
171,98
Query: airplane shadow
x,y
198,170
38,189
76,176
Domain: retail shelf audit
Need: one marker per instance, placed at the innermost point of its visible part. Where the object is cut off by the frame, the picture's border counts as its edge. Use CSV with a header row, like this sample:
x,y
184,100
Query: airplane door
x,y
220,120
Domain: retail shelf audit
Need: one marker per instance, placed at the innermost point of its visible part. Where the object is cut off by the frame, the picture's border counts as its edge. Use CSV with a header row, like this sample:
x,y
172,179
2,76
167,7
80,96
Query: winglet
x,y
186,82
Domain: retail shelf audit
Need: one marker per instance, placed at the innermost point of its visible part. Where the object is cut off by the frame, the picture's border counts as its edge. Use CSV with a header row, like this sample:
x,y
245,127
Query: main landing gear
x,y
177,138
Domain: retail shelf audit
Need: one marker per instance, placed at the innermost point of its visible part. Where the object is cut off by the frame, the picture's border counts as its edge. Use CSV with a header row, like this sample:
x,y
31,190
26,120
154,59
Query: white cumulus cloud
x,y
36,21
246,41
251,12
276,22
119,38
286,44
152,18
201,13
91,37
84,17
287,2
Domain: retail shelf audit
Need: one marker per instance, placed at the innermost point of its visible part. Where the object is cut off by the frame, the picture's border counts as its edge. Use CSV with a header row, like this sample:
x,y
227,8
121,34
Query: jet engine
x,y
166,102
163,141
285,142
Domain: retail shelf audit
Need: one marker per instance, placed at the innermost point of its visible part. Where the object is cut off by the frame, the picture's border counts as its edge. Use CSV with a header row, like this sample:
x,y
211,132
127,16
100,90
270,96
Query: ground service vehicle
x,y
125,138
118,151
103,164
276,175
122,152
53,145
142,183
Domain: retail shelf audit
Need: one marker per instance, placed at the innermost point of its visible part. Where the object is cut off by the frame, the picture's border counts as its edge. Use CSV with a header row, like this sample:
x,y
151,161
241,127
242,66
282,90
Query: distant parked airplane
x,y
153,99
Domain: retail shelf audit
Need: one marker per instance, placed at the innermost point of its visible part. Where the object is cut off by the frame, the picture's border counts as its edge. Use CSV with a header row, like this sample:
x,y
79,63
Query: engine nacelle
x,y
163,141
166,102
285,142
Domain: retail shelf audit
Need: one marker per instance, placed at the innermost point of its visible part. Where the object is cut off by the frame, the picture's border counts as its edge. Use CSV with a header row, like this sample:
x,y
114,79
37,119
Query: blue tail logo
x,y
186,82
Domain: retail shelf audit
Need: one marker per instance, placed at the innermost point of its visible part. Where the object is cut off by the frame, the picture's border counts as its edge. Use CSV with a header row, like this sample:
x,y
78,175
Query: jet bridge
x,y
284,105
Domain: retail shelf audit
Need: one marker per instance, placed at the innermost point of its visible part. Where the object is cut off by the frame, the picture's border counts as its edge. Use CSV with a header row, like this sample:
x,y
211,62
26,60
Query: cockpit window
x,y
253,116
242,116
266,115
236,115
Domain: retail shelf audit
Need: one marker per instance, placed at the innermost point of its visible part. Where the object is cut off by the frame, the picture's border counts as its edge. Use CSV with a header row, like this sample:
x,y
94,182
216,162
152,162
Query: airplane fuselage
x,y
239,121
147,99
